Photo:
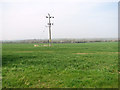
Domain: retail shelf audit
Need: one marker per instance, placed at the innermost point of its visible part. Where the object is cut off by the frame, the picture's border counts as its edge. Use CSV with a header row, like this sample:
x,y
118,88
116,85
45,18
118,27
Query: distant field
x,y
77,65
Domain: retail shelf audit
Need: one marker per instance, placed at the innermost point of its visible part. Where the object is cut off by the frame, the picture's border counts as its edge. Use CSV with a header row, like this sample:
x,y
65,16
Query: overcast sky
x,y
73,19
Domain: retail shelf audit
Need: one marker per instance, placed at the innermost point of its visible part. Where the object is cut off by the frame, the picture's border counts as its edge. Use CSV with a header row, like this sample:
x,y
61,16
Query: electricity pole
x,y
49,24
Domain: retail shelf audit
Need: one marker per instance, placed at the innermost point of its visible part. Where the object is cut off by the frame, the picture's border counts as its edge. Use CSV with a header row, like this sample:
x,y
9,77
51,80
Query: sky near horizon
x,y
73,19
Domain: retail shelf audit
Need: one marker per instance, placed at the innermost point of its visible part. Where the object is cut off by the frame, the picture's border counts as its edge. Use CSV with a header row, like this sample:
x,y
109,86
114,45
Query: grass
x,y
60,66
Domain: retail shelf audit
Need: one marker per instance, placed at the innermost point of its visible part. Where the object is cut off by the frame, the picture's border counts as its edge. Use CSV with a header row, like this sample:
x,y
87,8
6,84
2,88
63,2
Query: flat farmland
x,y
70,65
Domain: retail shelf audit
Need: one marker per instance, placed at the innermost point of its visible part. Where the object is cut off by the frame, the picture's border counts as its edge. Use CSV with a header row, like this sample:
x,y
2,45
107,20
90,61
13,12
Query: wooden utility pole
x,y
49,24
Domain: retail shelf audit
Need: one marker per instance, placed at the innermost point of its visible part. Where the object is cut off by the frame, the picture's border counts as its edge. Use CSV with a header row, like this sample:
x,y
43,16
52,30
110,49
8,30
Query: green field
x,y
77,65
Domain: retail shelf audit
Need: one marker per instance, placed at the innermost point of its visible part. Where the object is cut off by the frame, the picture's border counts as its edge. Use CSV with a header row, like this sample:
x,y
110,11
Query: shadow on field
x,y
10,59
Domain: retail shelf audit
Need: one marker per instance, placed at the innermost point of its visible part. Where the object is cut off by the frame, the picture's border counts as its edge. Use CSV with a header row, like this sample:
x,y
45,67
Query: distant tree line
x,y
62,41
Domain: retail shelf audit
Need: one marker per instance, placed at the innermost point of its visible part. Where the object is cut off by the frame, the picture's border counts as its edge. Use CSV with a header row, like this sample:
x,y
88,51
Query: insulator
x,y
49,23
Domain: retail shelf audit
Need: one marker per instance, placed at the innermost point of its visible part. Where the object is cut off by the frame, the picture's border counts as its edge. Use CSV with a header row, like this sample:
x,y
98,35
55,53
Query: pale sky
x,y
73,19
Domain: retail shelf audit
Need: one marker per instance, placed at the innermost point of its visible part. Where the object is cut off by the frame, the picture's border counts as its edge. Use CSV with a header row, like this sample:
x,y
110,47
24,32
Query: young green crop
x,y
73,65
